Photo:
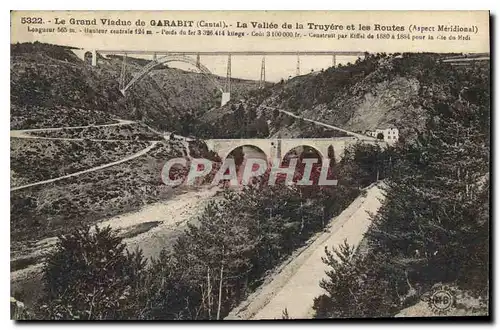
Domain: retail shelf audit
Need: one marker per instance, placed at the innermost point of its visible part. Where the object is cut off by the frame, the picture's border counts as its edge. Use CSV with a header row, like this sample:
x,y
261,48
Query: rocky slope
x,y
379,91
52,87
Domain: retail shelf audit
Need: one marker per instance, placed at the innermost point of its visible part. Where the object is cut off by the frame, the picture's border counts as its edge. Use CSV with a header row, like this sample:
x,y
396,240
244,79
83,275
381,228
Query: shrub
x,y
91,276
356,286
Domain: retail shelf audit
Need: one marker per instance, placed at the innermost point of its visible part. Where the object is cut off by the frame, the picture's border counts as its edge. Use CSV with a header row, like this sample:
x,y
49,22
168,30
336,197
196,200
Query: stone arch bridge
x,y
279,147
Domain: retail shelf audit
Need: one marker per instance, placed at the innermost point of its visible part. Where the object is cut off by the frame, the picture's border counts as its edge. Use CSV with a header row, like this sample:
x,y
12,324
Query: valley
x,y
86,156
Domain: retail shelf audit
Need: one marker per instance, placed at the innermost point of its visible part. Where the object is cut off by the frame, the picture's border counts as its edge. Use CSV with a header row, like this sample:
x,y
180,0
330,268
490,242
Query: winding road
x,y
93,169
24,134
359,136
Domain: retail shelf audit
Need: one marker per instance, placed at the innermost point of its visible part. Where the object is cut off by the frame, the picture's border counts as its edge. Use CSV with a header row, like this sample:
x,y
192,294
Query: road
x,y
25,133
171,216
359,136
93,169
25,136
21,133
296,283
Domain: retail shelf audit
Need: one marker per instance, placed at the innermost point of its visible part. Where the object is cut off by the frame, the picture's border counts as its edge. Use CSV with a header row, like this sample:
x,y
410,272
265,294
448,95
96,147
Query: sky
x,y
277,67
247,67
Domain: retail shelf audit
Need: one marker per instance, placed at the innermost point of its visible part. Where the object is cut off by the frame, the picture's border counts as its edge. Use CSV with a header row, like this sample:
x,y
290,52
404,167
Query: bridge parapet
x,y
223,147
278,148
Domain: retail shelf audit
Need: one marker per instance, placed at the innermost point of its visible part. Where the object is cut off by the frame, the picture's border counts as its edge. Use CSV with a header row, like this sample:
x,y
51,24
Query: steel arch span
x,y
171,58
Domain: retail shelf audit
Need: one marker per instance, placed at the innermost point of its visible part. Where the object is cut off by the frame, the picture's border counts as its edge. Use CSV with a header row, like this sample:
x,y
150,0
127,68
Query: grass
x,y
136,131
52,209
34,116
34,160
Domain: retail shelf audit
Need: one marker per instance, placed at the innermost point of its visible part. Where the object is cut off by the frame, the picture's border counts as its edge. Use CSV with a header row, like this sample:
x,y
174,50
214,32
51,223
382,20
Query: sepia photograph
x,y
250,165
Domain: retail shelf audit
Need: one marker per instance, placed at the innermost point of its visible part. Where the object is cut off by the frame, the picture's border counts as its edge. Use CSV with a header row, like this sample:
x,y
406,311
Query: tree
x,y
380,136
91,276
355,286
217,254
363,164
433,225
435,220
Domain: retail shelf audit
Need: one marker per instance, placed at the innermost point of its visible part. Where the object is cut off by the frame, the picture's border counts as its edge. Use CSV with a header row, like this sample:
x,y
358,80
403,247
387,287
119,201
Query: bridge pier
x,y
182,57
226,93
298,65
225,98
94,57
84,53
262,81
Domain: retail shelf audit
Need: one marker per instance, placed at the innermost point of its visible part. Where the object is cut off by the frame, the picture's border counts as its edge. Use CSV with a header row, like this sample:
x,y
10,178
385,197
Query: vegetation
x,y
377,91
240,122
34,160
33,116
54,51
47,80
52,209
213,266
434,224
137,131
90,275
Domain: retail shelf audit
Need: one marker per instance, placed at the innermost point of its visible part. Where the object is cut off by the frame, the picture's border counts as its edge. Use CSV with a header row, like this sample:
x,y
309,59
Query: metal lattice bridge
x,y
194,58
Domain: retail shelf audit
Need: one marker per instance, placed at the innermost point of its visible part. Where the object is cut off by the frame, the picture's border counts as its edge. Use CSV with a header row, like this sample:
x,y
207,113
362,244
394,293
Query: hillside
x,y
379,91
52,87
99,155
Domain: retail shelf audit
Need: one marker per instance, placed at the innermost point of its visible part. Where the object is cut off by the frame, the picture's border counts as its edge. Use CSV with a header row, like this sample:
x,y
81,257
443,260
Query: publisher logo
x,y
441,299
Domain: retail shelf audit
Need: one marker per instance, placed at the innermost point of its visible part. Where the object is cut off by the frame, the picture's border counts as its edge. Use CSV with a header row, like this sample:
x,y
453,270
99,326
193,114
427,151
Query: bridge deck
x,y
235,53
340,138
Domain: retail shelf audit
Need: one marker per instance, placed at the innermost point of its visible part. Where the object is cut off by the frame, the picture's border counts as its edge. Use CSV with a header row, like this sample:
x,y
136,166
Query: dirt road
x,y
170,218
24,133
359,136
296,284
97,168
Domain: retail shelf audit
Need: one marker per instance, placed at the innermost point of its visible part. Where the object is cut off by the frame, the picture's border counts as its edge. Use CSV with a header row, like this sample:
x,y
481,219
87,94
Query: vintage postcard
x,y
249,165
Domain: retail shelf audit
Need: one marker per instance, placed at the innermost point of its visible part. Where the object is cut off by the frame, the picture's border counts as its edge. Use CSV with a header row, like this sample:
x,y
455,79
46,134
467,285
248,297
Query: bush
x,y
356,287
91,276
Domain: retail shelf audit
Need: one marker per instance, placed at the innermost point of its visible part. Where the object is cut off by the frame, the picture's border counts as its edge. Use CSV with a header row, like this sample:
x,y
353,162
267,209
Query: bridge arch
x,y
171,58
233,148
315,148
